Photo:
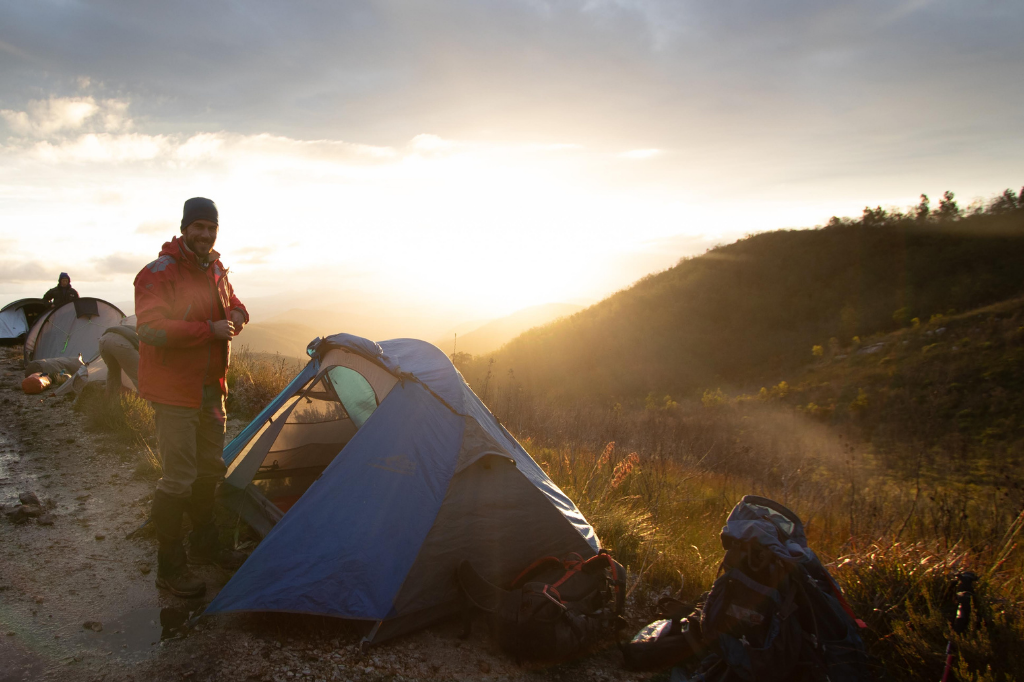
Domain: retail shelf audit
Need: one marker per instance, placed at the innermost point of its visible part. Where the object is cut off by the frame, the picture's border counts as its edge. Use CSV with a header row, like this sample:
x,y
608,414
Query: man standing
x,y
187,313
62,293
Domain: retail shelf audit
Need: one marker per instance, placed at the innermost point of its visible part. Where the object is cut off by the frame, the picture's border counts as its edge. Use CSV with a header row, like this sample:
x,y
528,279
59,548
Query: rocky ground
x,y
77,600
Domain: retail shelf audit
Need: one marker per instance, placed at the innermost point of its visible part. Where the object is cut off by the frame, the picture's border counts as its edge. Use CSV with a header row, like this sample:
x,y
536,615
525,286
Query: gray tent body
x,y
372,476
17,317
72,329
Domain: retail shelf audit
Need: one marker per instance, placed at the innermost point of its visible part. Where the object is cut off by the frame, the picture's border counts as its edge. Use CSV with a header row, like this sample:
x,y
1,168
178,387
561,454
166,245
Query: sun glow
x,y
485,226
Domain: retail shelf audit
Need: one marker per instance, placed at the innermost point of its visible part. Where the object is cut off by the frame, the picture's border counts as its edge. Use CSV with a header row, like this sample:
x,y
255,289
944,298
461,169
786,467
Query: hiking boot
x,y
172,572
181,583
204,548
204,541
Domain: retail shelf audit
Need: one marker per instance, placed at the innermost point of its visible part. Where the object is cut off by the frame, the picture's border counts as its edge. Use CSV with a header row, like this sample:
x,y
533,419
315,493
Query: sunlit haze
x,y
445,162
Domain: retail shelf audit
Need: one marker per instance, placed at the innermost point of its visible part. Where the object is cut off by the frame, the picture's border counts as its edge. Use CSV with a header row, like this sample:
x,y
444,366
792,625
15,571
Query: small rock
x,y
93,625
39,599
45,520
31,510
17,515
484,667
11,633
144,568
101,536
29,498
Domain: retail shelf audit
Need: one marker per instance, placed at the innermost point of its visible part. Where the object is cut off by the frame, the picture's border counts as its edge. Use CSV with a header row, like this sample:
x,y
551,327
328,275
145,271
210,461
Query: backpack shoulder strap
x,y
542,564
616,575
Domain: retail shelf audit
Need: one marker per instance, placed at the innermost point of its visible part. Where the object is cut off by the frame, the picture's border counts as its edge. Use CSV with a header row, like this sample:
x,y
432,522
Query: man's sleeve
x,y
236,304
74,295
153,298
48,296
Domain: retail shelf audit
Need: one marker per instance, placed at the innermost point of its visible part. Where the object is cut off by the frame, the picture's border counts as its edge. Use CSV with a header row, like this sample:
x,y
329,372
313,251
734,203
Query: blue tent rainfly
x,y
372,476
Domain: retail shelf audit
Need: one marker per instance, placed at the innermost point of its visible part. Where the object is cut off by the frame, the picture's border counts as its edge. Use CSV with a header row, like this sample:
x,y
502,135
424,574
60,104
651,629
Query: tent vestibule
x,y
17,318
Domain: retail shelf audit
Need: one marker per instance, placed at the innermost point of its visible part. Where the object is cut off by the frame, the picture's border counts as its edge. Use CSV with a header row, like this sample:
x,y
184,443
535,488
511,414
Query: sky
x,y
458,160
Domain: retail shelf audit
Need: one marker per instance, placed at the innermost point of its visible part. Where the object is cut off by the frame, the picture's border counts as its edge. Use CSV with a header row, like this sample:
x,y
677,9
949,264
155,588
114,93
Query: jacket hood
x,y
62,276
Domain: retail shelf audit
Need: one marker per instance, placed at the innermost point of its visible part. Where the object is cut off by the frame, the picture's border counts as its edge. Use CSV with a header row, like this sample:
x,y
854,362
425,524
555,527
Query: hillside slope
x,y
277,337
747,314
494,334
952,388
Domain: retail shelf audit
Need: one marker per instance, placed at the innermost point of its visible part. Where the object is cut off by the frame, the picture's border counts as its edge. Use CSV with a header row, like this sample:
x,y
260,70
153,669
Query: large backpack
x,y
774,613
555,607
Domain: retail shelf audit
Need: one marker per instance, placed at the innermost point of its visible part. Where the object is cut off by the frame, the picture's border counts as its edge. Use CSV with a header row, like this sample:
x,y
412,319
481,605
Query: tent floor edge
x,y
389,628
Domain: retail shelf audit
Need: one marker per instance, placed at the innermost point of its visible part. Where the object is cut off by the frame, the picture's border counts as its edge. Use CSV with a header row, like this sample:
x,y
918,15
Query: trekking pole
x,y
964,595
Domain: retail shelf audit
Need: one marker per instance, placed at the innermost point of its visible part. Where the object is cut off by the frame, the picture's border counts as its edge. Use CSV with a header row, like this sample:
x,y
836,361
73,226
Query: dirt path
x,y
77,600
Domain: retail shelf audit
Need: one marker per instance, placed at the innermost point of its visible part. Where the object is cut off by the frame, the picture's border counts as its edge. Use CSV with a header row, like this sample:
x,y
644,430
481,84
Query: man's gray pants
x,y
118,354
190,441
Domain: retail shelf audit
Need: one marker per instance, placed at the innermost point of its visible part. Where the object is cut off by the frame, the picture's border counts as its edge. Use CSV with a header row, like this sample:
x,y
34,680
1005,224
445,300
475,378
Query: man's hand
x,y
223,329
238,319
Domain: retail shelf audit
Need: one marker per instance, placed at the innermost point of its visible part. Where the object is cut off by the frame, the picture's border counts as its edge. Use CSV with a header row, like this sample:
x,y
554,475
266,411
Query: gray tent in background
x,y
17,317
72,329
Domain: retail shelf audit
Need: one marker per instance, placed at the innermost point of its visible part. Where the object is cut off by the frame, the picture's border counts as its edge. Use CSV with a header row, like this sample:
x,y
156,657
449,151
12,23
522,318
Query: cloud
x,y
104,148
808,79
157,227
253,255
641,153
12,271
119,264
11,49
58,116
45,117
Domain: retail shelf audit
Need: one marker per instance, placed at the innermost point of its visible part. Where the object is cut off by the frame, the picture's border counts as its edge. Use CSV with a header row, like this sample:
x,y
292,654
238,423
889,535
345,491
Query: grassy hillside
x,y
946,395
747,314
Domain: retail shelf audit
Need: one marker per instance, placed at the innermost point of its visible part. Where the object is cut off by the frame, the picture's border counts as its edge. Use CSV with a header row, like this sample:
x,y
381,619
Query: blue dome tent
x,y
372,476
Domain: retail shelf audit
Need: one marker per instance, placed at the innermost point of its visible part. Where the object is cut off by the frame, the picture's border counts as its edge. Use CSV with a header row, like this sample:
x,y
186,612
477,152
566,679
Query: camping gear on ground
x,y
53,367
964,596
672,638
95,372
774,612
554,609
373,475
35,383
72,329
17,317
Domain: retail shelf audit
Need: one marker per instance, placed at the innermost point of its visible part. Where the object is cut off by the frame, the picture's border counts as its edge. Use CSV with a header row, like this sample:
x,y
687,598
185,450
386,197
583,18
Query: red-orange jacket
x,y
176,302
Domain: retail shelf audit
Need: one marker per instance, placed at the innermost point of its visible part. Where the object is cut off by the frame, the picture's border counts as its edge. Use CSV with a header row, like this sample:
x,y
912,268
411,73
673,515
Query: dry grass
x,y
254,379
131,420
658,482
892,550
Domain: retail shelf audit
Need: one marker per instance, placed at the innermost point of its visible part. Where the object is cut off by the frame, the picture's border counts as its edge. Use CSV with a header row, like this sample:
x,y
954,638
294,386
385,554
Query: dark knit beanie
x,y
198,208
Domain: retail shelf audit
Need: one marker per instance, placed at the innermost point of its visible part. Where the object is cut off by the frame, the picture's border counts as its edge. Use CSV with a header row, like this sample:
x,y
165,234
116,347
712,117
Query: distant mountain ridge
x,y
496,333
289,333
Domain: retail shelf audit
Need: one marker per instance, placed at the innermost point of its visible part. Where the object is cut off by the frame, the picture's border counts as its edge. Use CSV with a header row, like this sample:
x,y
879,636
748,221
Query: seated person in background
x,y
119,348
62,293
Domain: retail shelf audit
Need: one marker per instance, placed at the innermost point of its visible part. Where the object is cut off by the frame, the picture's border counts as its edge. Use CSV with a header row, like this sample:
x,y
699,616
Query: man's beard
x,y
202,253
